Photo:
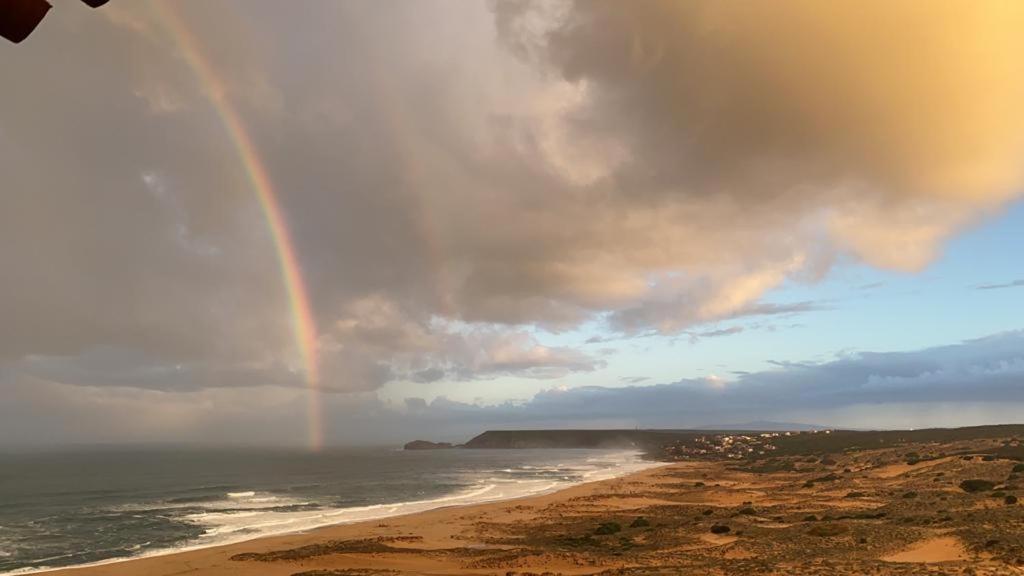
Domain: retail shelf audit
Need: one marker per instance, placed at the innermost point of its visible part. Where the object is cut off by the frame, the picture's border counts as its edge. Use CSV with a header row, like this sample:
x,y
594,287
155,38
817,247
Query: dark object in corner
x,y
18,18
425,445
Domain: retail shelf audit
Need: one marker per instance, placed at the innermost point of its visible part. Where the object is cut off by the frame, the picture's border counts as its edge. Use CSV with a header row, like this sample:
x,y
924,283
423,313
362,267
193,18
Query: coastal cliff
x,y
519,439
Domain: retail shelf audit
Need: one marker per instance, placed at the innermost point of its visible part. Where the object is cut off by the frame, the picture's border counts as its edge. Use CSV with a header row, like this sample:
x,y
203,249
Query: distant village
x,y
729,446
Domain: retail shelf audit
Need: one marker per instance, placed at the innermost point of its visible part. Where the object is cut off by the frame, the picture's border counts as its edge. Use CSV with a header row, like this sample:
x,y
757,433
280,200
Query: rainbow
x,y
303,324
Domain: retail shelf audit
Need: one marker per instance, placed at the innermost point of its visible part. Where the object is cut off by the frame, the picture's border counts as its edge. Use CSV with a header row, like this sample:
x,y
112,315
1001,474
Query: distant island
x,y
426,445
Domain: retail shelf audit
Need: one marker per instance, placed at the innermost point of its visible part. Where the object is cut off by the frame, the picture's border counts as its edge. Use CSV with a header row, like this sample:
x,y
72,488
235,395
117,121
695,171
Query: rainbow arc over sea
x,y
302,320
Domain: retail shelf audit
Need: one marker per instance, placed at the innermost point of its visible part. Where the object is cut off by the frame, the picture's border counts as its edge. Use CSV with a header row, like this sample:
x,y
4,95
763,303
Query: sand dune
x,y
941,549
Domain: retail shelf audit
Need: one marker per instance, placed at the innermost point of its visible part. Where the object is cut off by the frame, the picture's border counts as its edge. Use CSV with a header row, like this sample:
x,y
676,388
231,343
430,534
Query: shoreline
x,y
120,564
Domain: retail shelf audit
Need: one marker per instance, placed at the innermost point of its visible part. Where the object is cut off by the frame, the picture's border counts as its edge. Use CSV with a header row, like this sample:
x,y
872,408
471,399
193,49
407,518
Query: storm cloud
x,y
465,181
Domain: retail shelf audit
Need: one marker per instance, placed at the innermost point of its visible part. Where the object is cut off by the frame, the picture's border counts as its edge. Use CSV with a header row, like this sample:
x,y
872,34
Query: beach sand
x,y
941,549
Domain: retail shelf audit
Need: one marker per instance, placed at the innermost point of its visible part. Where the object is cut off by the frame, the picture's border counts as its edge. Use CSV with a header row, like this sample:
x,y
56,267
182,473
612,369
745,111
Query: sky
x,y
366,222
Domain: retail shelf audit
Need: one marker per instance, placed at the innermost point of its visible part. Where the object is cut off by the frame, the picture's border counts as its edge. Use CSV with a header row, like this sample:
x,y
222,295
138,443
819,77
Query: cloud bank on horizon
x,y
970,383
466,182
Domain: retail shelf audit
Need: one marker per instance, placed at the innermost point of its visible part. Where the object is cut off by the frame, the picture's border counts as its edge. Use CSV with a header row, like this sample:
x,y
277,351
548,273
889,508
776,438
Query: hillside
x,y
638,439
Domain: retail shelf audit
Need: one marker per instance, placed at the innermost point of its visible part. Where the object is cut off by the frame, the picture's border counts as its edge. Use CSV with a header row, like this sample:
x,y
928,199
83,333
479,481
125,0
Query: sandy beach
x,y
868,512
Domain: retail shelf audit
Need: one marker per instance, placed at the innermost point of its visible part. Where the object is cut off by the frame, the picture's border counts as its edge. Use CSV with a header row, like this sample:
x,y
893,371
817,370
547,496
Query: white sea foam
x,y
230,501
241,494
226,526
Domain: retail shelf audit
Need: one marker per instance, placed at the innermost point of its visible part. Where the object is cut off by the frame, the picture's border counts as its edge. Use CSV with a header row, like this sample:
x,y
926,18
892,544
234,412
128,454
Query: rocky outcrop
x,y
425,445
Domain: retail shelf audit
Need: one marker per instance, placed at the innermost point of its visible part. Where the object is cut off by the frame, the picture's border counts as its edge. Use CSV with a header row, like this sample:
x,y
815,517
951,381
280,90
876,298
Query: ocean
x,y
61,509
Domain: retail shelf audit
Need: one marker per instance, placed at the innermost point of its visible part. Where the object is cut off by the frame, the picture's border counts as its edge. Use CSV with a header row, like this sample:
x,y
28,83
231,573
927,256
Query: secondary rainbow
x,y
303,324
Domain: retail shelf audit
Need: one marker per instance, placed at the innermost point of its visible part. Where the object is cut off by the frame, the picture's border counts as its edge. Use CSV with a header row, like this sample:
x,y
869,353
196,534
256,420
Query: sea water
x,y
70,508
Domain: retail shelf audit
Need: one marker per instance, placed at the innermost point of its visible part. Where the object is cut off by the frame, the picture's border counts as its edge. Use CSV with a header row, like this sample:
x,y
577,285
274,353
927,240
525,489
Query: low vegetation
x,y
977,485
607,528
827,530
639,522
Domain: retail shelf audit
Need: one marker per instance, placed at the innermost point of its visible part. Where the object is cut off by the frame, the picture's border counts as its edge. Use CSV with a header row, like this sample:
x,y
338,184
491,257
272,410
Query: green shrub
x,y
1018,468
910,495
810,518
828,530
575,541
639,522
1010,499
608,528
748,511
977,485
